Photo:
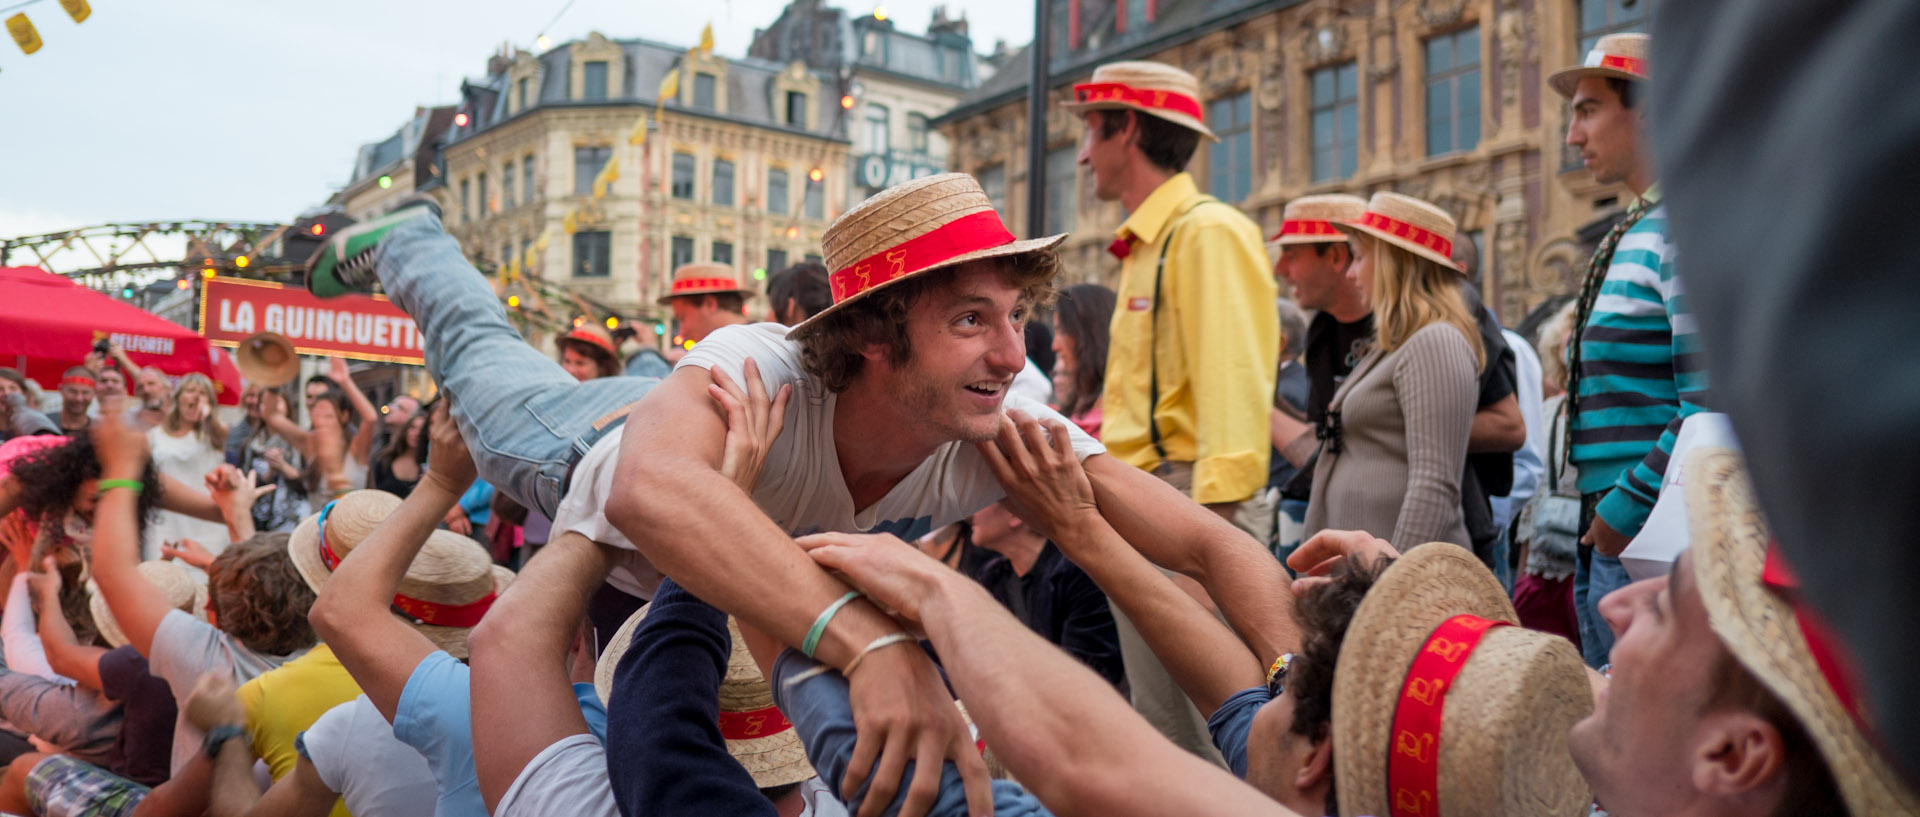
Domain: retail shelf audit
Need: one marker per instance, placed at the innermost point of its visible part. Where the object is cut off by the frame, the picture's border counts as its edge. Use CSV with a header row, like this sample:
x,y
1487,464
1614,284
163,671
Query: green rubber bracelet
x,y
133,485
812,640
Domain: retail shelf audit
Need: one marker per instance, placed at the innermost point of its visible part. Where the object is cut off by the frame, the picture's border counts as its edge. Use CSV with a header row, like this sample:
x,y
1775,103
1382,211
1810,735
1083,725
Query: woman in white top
x,y
186,445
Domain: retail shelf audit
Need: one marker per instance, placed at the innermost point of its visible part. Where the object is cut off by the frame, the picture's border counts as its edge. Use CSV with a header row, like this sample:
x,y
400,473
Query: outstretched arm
x,y
698,526
1042,476
137,605
1179,535
354,613
1039,709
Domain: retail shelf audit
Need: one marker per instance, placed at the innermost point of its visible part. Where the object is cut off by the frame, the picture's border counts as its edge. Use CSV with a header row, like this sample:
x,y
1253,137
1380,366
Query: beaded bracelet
x,y
887,640
812,640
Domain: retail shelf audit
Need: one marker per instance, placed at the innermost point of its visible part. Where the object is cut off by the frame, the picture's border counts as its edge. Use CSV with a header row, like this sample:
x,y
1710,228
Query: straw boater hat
x,y
1314,219
1619,56
1746,587
175,582
703,279
448,587
1440,709
757,735
1152,88
591,341
920,226
1410,224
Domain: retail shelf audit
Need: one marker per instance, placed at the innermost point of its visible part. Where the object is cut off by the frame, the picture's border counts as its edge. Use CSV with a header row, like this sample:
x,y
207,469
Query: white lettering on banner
x,y
144,343
380,331
276,319
322,321
303,325
236,320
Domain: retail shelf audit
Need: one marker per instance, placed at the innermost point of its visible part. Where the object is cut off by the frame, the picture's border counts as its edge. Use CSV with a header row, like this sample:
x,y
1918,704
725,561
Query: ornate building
x,y
1441,99
734,170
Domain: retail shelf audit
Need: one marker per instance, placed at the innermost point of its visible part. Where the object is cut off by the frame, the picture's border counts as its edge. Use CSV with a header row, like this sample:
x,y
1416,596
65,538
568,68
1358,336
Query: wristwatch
x,y
219,735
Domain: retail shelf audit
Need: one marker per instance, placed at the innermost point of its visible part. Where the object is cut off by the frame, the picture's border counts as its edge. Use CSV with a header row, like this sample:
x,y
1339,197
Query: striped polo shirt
x,y
1641,374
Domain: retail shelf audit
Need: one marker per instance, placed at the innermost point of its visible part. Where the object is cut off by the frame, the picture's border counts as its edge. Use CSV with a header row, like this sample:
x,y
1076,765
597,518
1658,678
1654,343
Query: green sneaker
x,y
344,264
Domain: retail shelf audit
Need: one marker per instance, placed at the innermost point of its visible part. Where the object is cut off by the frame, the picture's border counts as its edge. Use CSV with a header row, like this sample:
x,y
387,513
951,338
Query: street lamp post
x,y
1037,120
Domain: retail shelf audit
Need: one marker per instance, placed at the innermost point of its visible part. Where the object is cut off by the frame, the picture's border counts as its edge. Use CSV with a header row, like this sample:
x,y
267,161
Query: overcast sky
x,y
253,109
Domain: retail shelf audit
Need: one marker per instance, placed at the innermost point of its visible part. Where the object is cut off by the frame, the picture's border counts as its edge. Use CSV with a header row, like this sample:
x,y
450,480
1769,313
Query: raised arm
x,y
65,654
1173,532
137,605
1039,709
361,446
698,526
273,408
354,614
1044,478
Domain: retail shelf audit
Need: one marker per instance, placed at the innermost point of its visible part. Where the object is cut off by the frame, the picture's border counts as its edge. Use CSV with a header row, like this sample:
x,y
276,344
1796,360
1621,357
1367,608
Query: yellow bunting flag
x,y
639,134
706,39
669,87
23,34
571,222
77,9
541,242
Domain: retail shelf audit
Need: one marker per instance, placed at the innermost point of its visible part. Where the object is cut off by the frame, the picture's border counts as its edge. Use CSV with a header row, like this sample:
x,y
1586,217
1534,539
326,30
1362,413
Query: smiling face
x,y
112,384
1640,747
968,341
74,398
582,367
154,388
194,404
1317,272
1606,132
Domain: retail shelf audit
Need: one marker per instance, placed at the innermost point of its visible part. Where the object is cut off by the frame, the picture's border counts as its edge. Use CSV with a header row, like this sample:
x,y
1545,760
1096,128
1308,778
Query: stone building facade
x,y
1441,99
736,169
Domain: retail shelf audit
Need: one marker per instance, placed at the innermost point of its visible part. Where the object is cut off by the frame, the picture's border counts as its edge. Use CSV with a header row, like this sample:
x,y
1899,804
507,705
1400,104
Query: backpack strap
x,y
1153,356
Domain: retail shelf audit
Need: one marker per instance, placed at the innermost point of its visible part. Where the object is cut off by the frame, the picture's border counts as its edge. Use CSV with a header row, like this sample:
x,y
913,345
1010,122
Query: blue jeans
x,y
524,418
1593,579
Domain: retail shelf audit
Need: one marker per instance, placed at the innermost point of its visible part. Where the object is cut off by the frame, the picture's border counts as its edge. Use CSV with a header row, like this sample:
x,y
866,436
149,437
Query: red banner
x,y
363,327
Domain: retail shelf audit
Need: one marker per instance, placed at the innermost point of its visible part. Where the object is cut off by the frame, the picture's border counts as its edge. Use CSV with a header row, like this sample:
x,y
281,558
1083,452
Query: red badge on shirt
x,y
1139,304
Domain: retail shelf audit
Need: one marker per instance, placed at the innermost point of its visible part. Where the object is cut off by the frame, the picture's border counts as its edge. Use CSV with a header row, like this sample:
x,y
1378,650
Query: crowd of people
x,y
940,535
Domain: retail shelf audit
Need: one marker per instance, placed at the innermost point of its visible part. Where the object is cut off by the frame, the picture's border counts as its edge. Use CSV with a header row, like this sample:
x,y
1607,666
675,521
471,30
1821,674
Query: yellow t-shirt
x,y
284,702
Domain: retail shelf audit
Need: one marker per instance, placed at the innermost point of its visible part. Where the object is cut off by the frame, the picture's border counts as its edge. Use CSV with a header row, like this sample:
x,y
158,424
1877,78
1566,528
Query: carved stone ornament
x,y
1325,39
1386,52
1271,89
1513,52
1222,73
1439,13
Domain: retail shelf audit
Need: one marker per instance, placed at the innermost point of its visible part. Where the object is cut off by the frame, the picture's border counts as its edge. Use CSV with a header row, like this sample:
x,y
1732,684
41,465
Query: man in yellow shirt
x,y
1195,338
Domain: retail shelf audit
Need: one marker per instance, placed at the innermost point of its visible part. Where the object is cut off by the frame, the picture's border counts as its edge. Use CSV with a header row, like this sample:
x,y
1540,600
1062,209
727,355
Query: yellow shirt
x,y
1219,343
282,703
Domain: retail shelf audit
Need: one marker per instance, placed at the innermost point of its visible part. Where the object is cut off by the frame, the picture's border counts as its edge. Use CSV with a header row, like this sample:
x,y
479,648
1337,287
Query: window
x,y
1060,189
520,95
506,253
779,201
917,133
815,257
723,182
1137,14
486,203
796,109
993,182
776,260
466,200
506,184
1599,18
723,253
877,116
1230,160
594,75
587,163
526,178
816,202
1336,121
683,176
591,251
703,94
1453,91
682,251
1063,40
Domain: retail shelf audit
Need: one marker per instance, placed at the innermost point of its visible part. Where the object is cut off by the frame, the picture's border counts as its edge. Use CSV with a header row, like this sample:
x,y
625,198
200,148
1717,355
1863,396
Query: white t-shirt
x,y
353,748
573,772
801,488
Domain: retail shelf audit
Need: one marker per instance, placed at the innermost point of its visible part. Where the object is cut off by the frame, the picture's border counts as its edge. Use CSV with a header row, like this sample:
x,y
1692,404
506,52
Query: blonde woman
x,y
1392,462
186,444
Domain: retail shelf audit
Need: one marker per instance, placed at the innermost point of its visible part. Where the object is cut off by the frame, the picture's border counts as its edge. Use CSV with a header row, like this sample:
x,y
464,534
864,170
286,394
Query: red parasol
x,y
48,324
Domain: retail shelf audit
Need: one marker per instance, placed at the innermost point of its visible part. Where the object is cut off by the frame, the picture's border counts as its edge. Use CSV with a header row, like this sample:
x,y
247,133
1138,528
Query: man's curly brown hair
x,y
1323,614
259,598
832,350
50,478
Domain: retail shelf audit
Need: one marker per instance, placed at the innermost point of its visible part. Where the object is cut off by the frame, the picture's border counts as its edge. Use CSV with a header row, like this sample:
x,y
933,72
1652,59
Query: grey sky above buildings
x,y
222,109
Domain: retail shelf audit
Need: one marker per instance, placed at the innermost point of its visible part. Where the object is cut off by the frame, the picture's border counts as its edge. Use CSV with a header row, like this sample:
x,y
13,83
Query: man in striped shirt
x,y
1636,372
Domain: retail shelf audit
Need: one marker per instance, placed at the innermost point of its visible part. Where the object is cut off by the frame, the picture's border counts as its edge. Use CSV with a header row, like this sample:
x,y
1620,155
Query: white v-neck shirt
x,y
801,488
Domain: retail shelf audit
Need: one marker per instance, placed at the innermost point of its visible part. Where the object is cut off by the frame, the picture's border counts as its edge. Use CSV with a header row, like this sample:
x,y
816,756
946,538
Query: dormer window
x,y
704,94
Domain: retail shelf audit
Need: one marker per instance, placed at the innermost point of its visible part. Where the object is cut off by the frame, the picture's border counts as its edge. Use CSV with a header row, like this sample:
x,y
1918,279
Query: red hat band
x,y
966,234
589,337
1400,229
704,285
1413,762
1631,65
1305,227
1145,98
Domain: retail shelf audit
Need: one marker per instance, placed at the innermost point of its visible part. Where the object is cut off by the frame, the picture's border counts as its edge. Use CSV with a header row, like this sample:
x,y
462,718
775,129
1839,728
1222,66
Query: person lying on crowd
x,y
51,481
554,751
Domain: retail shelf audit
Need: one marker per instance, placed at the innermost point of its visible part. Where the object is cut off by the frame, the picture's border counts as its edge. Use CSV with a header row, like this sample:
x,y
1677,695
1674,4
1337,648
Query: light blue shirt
x,y
435,717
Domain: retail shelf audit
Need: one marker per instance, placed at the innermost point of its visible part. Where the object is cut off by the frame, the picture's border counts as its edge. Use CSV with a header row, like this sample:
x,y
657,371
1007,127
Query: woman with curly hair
x,y
186,445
